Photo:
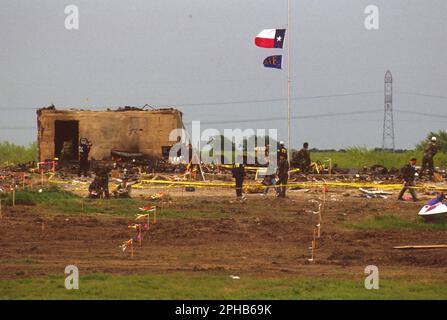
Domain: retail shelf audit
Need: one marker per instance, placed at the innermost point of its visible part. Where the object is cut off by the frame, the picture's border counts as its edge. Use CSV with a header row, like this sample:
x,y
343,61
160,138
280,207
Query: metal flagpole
x,y
288,81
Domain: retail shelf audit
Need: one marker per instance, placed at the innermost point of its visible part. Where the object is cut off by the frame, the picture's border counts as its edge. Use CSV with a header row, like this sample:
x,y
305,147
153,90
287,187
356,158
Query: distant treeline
x,y
11,154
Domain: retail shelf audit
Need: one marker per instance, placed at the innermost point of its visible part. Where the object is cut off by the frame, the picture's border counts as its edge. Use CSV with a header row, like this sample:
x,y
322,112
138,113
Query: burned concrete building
x,y
127,129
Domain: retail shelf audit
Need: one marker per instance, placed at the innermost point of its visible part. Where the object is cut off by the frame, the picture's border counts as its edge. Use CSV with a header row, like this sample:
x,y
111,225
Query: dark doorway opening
x,y
165,151
66,137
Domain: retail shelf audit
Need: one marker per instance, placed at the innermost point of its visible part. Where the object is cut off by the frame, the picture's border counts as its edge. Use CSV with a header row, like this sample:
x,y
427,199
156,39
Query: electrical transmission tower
x,y
388,124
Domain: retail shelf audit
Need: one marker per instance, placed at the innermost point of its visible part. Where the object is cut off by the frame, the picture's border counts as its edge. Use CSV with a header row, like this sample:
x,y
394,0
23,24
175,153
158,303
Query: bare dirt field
x,y
208,230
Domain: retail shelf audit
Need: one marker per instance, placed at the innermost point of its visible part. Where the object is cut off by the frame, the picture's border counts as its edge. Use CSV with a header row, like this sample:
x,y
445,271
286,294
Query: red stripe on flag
x,y
264,42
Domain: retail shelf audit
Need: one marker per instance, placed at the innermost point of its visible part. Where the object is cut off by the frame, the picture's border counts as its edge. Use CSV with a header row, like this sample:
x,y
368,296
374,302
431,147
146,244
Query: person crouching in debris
x,y
84,150
239,174
95,190
124,189
283,175
100,186
409,174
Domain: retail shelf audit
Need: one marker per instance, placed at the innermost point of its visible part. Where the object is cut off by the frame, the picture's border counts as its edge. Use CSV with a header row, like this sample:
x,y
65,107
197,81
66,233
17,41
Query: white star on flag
x,y
278,39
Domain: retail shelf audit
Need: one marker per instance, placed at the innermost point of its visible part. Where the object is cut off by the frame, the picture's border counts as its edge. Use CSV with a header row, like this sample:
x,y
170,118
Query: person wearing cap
x,y
238,172
427,161
409,174
282,151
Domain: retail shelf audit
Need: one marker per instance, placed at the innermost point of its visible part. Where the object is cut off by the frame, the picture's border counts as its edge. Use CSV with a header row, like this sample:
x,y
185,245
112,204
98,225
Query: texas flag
x,y
271,38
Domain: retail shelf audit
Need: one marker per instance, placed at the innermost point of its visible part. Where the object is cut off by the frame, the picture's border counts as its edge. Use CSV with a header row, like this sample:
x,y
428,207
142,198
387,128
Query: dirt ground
x,y
262,235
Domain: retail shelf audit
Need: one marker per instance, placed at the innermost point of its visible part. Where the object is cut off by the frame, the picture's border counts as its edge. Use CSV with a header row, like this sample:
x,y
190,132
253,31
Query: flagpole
x,y
288,81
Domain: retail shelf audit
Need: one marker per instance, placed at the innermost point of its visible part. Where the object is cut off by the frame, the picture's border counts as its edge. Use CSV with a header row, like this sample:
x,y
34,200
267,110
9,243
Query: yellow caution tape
x,y
154,184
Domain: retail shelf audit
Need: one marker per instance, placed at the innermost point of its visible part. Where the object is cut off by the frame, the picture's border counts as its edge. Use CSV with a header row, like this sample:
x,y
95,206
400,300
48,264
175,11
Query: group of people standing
x,y
274,177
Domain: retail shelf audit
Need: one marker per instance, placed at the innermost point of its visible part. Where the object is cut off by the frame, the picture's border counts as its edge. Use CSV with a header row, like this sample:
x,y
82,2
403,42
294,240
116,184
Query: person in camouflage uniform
x,y
302,159
409,174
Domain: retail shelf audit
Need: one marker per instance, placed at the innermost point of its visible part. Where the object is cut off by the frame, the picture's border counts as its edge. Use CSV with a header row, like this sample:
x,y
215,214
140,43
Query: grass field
x,y
216,286
59,201
392,222
363,157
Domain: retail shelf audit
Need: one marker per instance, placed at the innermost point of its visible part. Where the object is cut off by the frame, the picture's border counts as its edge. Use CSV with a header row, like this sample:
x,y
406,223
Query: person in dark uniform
x,y
303,158
283,175
427,161
282,151
409,174
239,174
84,150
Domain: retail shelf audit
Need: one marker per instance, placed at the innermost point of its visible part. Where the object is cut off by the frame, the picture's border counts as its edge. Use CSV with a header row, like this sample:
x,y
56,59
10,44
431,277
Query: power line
x,y
17,128
324,115
423,95
424,114
216,103
275,100
319,116
236,101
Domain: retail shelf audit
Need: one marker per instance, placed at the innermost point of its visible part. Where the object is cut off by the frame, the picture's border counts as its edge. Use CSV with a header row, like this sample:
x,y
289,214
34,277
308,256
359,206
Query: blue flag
x,y
273,62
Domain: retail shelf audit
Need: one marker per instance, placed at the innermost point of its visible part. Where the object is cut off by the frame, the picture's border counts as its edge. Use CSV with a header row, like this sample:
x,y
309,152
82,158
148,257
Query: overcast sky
x,y
199,56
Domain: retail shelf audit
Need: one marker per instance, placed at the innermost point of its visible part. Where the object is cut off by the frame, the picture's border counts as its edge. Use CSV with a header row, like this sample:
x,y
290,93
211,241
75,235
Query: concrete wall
x,y
138,131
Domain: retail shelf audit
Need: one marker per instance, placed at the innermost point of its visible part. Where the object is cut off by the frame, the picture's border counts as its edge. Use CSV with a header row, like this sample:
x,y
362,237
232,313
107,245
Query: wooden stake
x,y
23,180
41,177
131,250
434,246
318,230
13,197
311,253
43,226
139,229
155,215
1,209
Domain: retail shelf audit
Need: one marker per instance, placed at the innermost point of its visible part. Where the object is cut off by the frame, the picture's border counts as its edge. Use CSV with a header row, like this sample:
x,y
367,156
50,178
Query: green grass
x,y
391,222
217,286
361,157
49,196
11,154
58,201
